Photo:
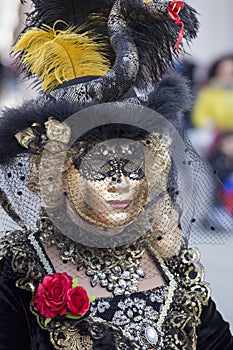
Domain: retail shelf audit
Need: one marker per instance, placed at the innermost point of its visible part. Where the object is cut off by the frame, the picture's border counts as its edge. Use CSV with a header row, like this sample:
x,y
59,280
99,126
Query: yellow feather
x,y
57,56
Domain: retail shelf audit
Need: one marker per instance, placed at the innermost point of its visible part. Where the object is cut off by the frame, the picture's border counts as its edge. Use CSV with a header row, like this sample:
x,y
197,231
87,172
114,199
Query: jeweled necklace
x,y
116,269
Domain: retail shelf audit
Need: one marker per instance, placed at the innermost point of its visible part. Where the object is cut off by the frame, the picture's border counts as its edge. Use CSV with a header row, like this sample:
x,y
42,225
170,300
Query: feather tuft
x,y
57,56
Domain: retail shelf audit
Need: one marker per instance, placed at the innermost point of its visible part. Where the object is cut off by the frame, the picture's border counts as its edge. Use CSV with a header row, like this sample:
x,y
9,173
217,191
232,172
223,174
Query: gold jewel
x,y
25,137
57,131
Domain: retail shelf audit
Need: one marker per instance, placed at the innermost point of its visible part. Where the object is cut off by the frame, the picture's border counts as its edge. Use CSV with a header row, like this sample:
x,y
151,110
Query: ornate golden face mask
x,y
108,186
115,188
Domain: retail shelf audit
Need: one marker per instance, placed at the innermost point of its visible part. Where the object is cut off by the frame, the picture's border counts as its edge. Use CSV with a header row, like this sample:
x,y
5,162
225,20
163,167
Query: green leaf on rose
x,y
92,298
74,317
75,281
47,320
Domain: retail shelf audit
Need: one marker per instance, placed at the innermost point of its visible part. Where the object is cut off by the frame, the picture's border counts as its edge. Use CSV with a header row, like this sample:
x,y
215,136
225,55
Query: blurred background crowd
x,y
208,65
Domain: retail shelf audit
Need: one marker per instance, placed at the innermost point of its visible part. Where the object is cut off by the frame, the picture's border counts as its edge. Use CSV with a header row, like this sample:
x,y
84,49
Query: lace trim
x,y
40,254
171,290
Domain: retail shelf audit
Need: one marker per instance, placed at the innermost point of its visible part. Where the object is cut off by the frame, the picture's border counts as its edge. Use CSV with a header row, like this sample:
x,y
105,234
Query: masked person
x,y
100,187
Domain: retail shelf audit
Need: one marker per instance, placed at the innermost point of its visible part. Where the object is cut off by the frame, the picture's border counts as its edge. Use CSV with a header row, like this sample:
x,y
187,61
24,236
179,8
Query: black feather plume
x,y
170,96
155,40
72,12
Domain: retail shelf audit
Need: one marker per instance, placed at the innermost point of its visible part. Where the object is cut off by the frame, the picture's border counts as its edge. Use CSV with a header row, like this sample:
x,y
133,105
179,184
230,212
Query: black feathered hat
x,y
69,46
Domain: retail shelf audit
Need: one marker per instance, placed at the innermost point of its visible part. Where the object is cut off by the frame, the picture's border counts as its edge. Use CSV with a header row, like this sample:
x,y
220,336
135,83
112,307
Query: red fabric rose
x,y
51,295
78,301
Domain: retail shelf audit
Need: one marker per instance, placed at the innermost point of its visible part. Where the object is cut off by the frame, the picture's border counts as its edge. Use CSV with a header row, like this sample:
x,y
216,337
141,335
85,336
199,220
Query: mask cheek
x,y
95,194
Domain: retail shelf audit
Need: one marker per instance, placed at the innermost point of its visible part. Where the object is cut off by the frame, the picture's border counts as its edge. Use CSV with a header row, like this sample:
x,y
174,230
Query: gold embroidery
x,y
23,262
69,338
192,293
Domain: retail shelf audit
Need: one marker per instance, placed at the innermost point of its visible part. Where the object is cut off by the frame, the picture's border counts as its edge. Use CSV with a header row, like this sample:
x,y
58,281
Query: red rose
x,y
51,295
78,301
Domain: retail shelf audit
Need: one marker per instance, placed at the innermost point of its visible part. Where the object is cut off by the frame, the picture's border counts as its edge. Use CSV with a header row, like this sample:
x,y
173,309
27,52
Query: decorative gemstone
x,y
151,335
135,275
104,283
130,313
89,273
112,278
157,298
141,304
102,276
129,303
141,273
61,245
123,318
118,291
153,297
94,281
132,326
117,270
133,289
122,284
110,287
95,261
134,282
126,275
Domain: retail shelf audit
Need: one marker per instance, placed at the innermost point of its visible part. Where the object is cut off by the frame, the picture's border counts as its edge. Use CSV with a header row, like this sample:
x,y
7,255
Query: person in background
x,y
213,118
214,103
221,158
1,76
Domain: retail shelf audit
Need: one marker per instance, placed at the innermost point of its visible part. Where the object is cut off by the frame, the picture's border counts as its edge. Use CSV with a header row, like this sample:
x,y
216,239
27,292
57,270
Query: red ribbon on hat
x,y
174,8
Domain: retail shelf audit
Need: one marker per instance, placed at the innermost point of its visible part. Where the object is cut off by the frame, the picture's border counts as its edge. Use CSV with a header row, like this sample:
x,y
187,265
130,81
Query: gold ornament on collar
x,y
57,131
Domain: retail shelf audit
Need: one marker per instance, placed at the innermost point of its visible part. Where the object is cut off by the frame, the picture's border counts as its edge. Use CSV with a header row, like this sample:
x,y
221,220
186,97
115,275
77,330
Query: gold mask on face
x,y
108,186
114,184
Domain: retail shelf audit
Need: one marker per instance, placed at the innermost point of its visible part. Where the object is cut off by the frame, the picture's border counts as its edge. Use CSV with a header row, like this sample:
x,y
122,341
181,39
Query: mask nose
x,y
119,182
117,177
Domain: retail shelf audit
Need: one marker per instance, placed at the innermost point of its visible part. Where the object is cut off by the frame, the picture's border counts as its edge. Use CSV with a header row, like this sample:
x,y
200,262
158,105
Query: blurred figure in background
x,y
1,76
221,158
214,104
213,117
12,89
